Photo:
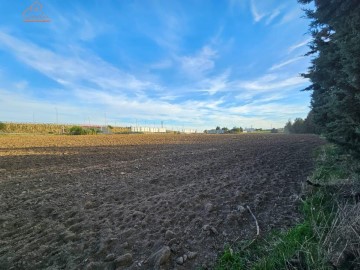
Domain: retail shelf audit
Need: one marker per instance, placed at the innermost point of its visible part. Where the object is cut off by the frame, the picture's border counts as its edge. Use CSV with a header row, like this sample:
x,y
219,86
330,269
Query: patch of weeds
x,y
319,241
331,164
297,248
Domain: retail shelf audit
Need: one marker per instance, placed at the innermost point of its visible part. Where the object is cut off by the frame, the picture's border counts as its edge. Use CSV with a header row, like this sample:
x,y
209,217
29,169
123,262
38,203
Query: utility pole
x,y
57,116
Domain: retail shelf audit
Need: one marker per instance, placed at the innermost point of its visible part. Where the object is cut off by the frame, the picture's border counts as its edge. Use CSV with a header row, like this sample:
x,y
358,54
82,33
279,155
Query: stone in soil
x,y
159,258
124,260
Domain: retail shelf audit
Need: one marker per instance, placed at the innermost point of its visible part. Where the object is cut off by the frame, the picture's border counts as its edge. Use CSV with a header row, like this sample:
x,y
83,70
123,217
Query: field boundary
x,y
329,235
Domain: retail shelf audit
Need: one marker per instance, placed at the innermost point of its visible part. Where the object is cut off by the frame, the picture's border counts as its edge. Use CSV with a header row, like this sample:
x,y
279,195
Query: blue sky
x,y
195,64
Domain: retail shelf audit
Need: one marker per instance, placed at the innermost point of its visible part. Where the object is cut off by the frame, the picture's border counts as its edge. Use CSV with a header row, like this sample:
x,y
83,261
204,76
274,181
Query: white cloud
x,y
200,63
87,31
260,15
270,109
290,16
271,82
255,13
21,85
285,63
24,108
269,97
298,45
169,27
215,84
162,64
70,70
272,16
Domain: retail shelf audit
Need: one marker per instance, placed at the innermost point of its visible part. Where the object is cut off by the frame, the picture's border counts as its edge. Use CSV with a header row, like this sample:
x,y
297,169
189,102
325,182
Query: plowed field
x,y
143,201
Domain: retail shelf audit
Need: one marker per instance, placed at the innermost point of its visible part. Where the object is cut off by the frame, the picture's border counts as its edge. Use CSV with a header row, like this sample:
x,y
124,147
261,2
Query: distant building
x,y
148,130
105,130
246,130
189,131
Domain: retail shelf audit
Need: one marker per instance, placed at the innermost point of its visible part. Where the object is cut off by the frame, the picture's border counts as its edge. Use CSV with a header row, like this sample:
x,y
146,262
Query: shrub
x,y
236,130
2,126
92,131
76,130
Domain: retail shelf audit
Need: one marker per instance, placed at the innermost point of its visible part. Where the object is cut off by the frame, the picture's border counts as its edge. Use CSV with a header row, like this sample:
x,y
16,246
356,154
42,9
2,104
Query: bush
x,y
92,131
76,130
236,130
2,126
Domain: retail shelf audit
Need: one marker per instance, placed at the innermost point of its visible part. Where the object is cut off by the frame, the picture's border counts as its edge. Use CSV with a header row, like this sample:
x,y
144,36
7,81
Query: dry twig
x,y
256,222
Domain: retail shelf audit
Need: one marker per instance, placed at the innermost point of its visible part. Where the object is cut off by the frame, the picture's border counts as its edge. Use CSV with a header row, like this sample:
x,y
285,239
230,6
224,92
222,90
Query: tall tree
x,y
335,70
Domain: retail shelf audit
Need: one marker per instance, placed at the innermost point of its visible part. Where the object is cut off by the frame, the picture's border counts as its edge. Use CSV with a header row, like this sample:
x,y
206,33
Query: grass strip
x,y
319,241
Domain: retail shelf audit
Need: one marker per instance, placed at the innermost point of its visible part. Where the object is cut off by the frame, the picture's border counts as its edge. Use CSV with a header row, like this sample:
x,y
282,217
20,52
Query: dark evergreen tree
x,y
335,70
288,127
309,125
298,126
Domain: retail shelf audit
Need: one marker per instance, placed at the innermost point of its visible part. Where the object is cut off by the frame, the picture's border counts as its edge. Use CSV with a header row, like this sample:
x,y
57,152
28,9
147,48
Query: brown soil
x,y
143,201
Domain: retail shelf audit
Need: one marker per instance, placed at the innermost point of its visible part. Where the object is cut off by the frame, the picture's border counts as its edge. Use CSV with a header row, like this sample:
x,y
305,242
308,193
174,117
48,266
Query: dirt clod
x,y
180,260
160,257
124,260
169,235
191,255
110,257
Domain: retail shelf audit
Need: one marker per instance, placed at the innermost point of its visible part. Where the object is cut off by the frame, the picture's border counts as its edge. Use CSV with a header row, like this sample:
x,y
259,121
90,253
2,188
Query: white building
x,y
189,131
148,130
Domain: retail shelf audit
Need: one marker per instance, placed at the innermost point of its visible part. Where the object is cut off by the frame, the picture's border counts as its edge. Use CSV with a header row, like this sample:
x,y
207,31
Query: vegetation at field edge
x,y
329,235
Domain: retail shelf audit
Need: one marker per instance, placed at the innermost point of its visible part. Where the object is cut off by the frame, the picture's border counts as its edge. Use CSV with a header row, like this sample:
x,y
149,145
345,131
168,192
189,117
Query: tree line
x,y
334,73
301,126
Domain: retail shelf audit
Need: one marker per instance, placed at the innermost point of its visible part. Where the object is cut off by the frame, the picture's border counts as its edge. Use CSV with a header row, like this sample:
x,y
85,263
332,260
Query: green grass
x,y
332,165
291,249
300,247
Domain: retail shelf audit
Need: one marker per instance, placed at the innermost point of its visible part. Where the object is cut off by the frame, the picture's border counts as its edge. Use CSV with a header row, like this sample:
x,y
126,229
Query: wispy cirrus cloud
x,y
199,64
258,12
215,84
162,64
268,109
273,15
285,63
72,69
257,15
298,45
270,82
290,16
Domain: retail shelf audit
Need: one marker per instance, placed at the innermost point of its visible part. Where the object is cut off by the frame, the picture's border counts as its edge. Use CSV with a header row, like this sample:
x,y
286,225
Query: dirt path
x,y
130,202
